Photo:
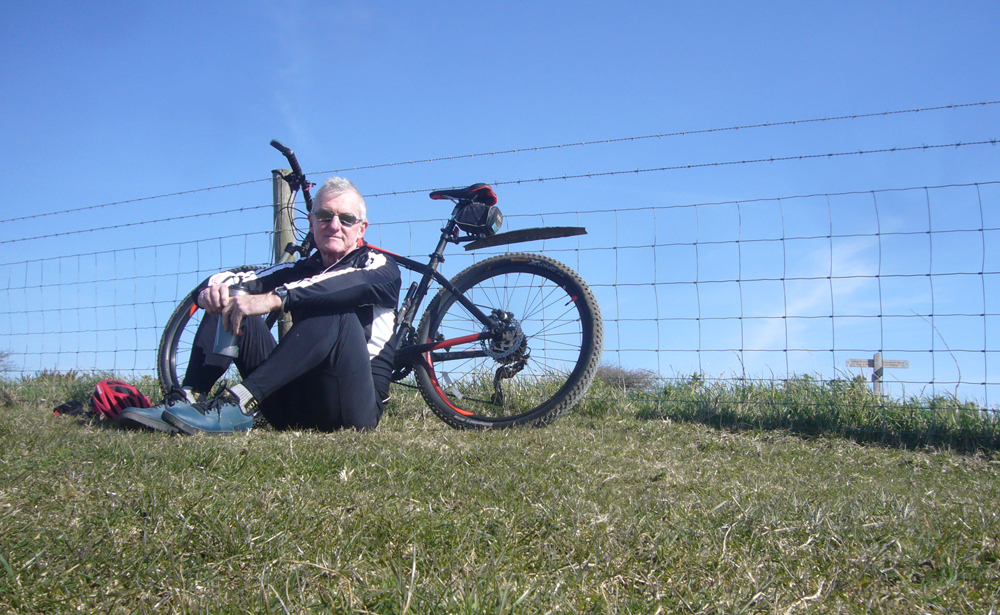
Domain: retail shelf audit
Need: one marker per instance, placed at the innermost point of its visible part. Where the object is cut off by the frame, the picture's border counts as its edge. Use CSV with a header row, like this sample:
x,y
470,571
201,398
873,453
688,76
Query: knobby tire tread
x,y
564,400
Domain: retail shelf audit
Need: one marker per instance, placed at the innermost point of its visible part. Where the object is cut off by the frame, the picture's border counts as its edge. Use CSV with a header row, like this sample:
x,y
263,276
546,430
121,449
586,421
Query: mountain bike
x,y
514,339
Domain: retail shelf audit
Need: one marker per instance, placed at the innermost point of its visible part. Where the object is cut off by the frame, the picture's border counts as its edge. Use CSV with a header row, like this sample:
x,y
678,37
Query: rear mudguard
x,y
528,234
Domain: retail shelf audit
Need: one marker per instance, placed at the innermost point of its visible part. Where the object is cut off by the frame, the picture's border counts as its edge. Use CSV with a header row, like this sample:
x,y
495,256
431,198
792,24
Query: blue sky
x,y
114,101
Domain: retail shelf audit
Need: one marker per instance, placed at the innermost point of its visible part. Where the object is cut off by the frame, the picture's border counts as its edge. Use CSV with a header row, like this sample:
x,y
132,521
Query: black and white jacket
x,y
365,281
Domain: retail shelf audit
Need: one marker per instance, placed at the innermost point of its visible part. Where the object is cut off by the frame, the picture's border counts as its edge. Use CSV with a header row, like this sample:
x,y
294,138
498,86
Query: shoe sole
x,y
181,426
191,430
148,421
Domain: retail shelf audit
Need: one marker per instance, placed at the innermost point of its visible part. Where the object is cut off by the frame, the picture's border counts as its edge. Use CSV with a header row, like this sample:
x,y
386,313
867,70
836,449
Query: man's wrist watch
x,y
282,293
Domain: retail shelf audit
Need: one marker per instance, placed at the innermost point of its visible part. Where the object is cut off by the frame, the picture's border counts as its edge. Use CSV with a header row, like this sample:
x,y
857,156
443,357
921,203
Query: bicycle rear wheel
x,y
538,369
178,338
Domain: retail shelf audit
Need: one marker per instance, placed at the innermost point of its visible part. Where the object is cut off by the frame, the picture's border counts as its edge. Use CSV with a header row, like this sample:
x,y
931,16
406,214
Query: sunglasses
x,y
323,215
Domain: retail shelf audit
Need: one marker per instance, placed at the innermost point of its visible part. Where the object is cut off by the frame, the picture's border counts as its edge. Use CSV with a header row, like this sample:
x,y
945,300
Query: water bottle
x,y
226,342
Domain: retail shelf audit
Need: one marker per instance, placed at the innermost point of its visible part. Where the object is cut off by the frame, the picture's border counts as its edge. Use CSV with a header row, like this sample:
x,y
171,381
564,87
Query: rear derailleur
x,y
508,346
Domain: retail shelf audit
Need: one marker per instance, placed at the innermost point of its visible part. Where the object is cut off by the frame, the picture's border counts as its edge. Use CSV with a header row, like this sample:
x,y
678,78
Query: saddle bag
x,y
479,219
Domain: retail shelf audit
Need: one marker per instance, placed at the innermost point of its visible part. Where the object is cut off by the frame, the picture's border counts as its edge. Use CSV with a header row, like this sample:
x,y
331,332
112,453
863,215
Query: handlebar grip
x,y
278,145
292,160
301,180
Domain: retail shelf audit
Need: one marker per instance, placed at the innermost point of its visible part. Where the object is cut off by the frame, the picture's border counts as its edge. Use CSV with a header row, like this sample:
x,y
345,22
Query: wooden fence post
x,y
284,229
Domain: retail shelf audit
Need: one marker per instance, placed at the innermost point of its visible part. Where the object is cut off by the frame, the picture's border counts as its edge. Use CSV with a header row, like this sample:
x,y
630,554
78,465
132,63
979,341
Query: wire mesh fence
x,y
758,290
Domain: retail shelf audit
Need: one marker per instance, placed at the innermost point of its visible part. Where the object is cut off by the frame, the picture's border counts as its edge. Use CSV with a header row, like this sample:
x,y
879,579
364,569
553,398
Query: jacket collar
x,y
349,259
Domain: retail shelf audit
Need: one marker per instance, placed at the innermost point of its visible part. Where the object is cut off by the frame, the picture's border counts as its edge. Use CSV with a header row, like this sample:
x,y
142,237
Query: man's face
x,y
333,238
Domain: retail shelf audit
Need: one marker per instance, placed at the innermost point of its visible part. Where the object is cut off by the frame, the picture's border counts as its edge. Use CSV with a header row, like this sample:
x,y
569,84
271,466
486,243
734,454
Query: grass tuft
x,y
803,405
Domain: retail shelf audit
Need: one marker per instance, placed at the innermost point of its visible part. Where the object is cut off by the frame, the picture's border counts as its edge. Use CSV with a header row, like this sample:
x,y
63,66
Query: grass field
x,y
658,500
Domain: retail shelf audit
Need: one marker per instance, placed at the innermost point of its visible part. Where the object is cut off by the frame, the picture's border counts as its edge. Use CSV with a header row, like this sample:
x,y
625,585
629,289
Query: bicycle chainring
x,y
404,371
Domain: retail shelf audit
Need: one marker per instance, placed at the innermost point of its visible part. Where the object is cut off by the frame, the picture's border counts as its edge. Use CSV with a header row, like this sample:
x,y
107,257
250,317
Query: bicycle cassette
x,y
507,343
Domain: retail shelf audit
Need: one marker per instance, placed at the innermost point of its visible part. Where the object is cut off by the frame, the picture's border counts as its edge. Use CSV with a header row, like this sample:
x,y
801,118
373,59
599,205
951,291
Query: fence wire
x,y
539,148
758,290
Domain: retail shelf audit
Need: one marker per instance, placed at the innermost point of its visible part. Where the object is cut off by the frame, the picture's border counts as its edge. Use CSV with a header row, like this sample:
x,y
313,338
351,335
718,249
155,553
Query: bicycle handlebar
x,y
298,181
300,177
281,147
290,155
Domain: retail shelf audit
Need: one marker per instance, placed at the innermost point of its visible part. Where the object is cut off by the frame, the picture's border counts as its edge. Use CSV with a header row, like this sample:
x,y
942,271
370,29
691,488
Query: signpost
x,y
877,365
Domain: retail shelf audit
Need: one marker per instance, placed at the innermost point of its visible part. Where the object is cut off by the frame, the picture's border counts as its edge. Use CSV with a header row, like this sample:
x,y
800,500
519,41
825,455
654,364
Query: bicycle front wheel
x,y
178,338
539,367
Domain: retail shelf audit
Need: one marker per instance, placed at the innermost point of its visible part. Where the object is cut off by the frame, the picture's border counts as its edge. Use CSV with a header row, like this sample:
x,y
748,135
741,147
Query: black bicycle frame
x,y
418,291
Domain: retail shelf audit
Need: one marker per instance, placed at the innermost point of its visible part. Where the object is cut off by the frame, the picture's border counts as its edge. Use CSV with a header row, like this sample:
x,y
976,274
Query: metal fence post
x,y
284,229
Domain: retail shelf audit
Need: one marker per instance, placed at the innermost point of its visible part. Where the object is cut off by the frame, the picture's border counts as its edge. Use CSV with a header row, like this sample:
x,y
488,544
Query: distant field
x,y
617,507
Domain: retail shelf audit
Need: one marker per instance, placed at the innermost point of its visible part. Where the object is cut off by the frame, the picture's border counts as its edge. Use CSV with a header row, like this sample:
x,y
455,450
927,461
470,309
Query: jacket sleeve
x,y
260,281
376,283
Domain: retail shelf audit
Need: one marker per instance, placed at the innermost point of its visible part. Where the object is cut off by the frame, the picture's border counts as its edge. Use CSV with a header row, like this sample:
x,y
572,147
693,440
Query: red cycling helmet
x,y
112,396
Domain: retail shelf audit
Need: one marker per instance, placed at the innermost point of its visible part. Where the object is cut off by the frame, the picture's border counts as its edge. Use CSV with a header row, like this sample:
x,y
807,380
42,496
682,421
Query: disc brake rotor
x,y
501,347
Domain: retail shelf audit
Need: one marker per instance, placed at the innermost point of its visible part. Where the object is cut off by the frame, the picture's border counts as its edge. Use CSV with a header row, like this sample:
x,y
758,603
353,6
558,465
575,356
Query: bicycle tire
x,y
178,336
563,334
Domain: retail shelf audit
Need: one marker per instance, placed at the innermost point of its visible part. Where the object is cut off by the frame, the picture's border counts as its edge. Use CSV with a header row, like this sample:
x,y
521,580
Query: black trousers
x,y
318,377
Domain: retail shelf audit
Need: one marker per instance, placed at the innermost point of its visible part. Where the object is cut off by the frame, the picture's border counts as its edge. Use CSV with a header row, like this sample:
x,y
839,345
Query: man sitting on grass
x,y
332,368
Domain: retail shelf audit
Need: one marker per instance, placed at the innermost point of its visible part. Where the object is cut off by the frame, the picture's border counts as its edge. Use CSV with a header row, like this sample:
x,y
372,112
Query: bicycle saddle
x,y
480,193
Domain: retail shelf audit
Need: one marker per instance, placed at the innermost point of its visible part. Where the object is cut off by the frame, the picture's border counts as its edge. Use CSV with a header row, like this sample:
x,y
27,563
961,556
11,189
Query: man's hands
x,y
216,300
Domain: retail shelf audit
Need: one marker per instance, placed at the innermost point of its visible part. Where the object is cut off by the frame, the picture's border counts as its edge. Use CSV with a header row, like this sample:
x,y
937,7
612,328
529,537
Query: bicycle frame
x,y
406,353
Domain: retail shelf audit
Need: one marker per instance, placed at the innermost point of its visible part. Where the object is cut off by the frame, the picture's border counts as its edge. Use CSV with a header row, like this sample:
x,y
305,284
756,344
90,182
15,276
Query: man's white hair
x,y
336,186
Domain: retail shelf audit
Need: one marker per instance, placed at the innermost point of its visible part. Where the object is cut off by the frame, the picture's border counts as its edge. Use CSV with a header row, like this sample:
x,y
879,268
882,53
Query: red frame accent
x,y
465,339
383,250
440,391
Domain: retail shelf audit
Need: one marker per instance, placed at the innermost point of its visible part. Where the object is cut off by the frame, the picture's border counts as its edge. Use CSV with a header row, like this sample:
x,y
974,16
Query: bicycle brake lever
x,y
295,181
